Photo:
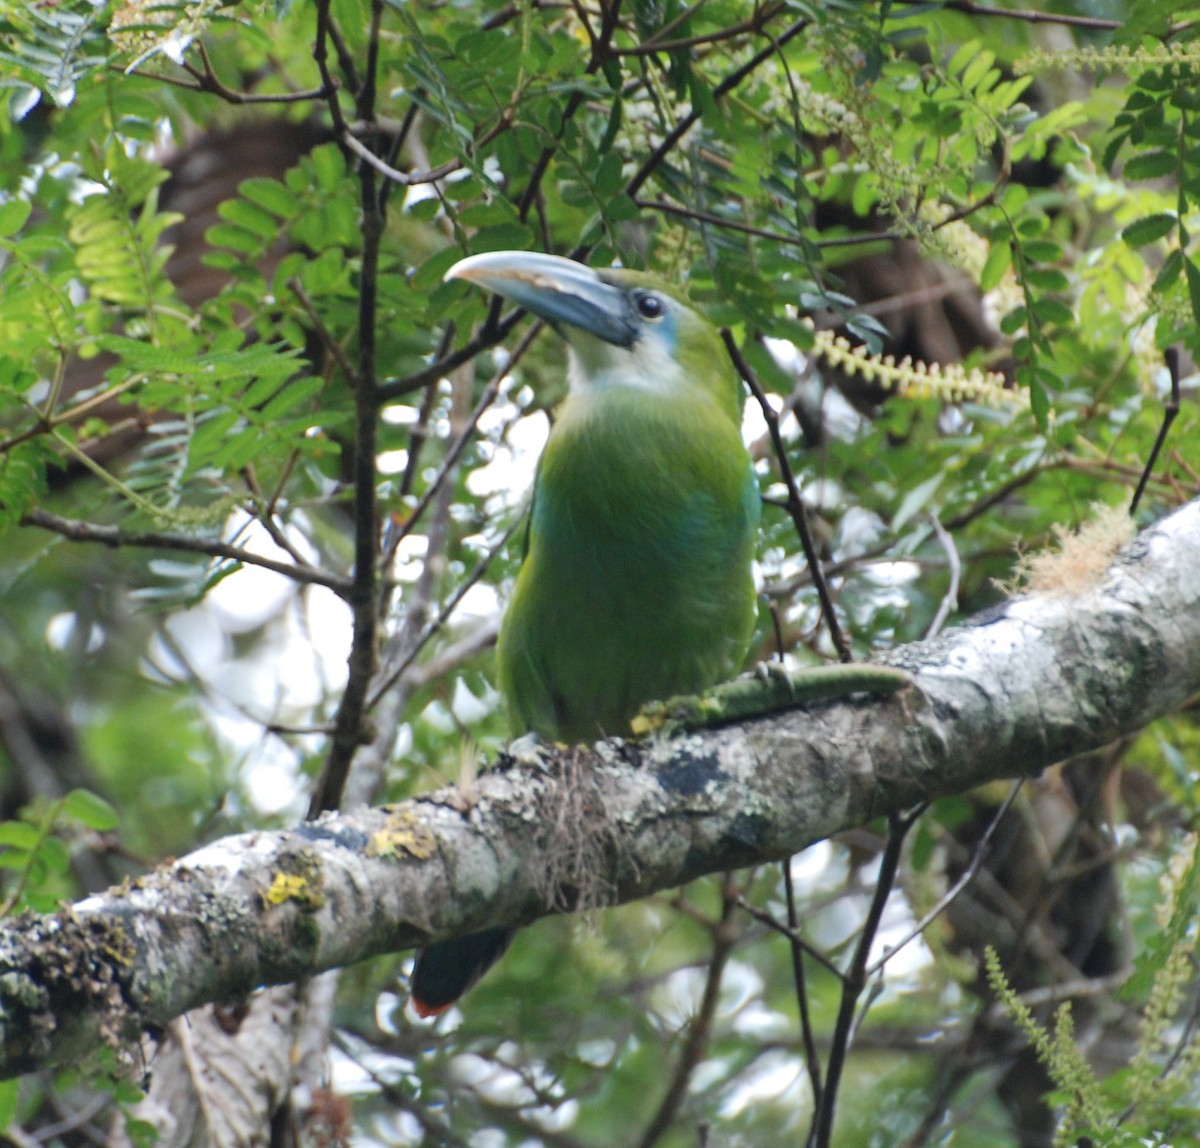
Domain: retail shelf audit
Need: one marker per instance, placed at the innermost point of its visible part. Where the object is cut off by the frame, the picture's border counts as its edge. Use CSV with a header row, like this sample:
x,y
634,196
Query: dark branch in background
x,y
710,218
331,86
601,51
207,81
811,1058
331,345
1027,16
965,878
724,937
794,505
394,674
667,144
79,531
1170,412
418,437
265,508
855,978
460,444
348,722
419,434
752,25
486,336
398,140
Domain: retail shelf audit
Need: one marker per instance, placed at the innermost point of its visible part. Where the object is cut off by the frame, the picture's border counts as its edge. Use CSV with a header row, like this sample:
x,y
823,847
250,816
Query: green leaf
x,y
1149,228
1169,272
1014,321
13,215
1151,165
1042,251
608,175
998,261
1047,279
272,195
916,499
1053,311
430,273
424,209
1193,282
19,834
91,809
504,237
487,214
620,208
257,220
54,855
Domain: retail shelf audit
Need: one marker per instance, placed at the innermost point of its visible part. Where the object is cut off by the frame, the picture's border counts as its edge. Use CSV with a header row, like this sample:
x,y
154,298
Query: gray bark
x,y
1039,680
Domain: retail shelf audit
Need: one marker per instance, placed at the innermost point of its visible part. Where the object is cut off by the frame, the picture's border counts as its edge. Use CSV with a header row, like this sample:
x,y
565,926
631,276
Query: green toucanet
x,y
637,583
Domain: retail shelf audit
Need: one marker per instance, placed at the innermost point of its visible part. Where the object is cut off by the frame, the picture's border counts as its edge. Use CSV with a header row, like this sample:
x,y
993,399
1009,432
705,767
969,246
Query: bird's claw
x,y
775,674
531,752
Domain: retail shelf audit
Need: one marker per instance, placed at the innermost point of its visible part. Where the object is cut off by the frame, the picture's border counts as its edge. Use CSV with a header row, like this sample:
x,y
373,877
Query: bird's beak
x,y
558,290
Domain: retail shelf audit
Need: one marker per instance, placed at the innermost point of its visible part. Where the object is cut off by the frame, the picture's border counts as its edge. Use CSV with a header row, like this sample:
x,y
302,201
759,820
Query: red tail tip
x,y
425,1011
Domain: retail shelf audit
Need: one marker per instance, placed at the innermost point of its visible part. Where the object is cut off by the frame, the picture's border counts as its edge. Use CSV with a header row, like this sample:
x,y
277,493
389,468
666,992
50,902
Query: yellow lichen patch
x,y
285,887
298,879
404,835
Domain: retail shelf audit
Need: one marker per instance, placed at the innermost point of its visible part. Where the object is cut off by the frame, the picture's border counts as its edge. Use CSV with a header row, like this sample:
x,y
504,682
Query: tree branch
x,y
115,536
1028,684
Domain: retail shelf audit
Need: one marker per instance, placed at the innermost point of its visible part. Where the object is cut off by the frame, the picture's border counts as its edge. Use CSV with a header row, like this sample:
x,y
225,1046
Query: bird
x,y
637,581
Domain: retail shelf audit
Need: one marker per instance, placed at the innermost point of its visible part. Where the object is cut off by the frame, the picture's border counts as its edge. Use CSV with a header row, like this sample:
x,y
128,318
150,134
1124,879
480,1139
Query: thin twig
x,y
724,937
443,616
407,179
1170,411
965,878
811,1058
266,513
487,336
668,142
794,504
114,536
490,392
855,979
323,333
793,936
752,25
1028,16
950,598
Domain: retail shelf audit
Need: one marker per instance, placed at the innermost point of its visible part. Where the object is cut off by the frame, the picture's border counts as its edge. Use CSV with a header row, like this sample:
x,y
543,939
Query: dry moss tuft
x,y
1077,560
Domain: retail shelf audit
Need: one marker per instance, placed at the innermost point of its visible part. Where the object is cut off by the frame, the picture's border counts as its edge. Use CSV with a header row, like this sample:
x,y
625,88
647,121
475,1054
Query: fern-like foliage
x,y
117,234
1153,1100
47,50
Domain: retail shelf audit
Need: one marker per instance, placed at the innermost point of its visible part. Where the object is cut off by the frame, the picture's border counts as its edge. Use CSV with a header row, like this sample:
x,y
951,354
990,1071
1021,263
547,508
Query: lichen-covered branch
x,y
1029,684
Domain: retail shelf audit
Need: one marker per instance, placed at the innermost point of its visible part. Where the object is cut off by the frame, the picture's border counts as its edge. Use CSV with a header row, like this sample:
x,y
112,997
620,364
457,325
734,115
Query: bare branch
x,y
1040,680
114,536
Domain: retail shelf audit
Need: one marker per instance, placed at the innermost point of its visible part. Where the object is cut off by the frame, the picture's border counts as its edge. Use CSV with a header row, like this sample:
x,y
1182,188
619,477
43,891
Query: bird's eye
x,y
650,307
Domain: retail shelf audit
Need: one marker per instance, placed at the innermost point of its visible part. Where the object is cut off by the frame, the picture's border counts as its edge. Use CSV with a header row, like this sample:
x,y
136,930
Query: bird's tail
x,y
448,969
